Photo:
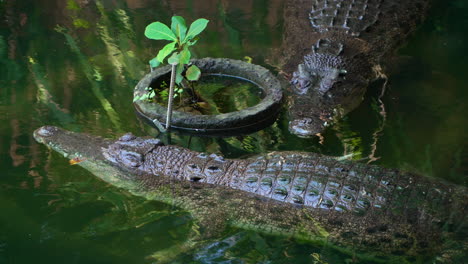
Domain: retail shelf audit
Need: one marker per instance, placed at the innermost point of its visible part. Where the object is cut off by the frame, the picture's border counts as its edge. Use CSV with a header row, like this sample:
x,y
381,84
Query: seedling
x,y
177,52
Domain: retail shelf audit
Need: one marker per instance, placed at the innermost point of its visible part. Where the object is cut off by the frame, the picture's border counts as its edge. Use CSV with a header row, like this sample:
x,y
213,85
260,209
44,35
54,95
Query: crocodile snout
x,y
306,127
44,132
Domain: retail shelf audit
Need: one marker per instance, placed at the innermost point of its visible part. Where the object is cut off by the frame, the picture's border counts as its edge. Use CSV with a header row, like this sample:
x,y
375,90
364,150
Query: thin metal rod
x,y
171,96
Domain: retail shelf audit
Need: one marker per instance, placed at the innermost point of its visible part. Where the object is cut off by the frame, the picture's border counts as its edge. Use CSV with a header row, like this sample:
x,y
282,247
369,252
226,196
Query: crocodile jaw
x,y
71,144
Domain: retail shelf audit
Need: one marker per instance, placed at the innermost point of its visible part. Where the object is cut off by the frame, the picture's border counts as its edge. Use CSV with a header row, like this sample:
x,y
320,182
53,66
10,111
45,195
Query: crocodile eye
x,y
131,159
304,84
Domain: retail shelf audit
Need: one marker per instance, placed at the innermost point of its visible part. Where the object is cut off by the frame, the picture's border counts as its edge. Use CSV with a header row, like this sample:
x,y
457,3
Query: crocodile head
x,y
116,162
325,86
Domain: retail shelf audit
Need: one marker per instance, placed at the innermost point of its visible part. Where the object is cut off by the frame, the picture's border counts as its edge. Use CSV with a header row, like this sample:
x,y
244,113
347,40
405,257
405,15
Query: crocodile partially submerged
x,y
307,196
333,49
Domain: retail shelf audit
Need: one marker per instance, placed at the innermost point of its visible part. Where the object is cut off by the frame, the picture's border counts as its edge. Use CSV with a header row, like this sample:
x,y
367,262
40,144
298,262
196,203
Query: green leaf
x,y
196,28
154,62
165,51
174,58
193,73
178,27
142,97
158,30
185,56
164,94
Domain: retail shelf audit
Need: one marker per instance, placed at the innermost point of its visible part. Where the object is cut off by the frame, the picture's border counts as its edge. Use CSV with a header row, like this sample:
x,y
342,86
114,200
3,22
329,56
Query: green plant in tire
x,y
177,52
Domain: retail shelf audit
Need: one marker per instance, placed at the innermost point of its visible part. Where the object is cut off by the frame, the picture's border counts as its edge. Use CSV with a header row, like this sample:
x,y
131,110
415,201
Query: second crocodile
x,y
333,49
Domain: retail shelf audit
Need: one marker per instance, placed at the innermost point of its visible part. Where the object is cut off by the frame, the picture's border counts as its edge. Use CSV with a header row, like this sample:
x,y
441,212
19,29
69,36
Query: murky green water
x,y
210,95
228,94
74,65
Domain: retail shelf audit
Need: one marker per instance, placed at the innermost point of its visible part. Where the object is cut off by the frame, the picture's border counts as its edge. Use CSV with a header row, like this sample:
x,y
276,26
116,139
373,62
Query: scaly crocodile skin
x,y
309,179
333,48
308,196
351,17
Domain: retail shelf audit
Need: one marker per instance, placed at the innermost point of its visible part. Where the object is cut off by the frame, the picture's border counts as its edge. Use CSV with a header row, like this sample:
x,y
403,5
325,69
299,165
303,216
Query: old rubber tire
x,y
267,108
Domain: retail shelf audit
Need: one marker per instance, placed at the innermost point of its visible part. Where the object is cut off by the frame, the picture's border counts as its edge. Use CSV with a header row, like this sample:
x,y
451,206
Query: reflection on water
x,y
74,64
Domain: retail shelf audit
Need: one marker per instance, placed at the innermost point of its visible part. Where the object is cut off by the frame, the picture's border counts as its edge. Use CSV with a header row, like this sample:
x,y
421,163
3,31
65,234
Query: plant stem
x,y
171,96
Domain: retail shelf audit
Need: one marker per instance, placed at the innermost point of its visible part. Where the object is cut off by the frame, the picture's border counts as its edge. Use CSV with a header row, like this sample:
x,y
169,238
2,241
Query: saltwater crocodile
x,y
308,196
333,49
